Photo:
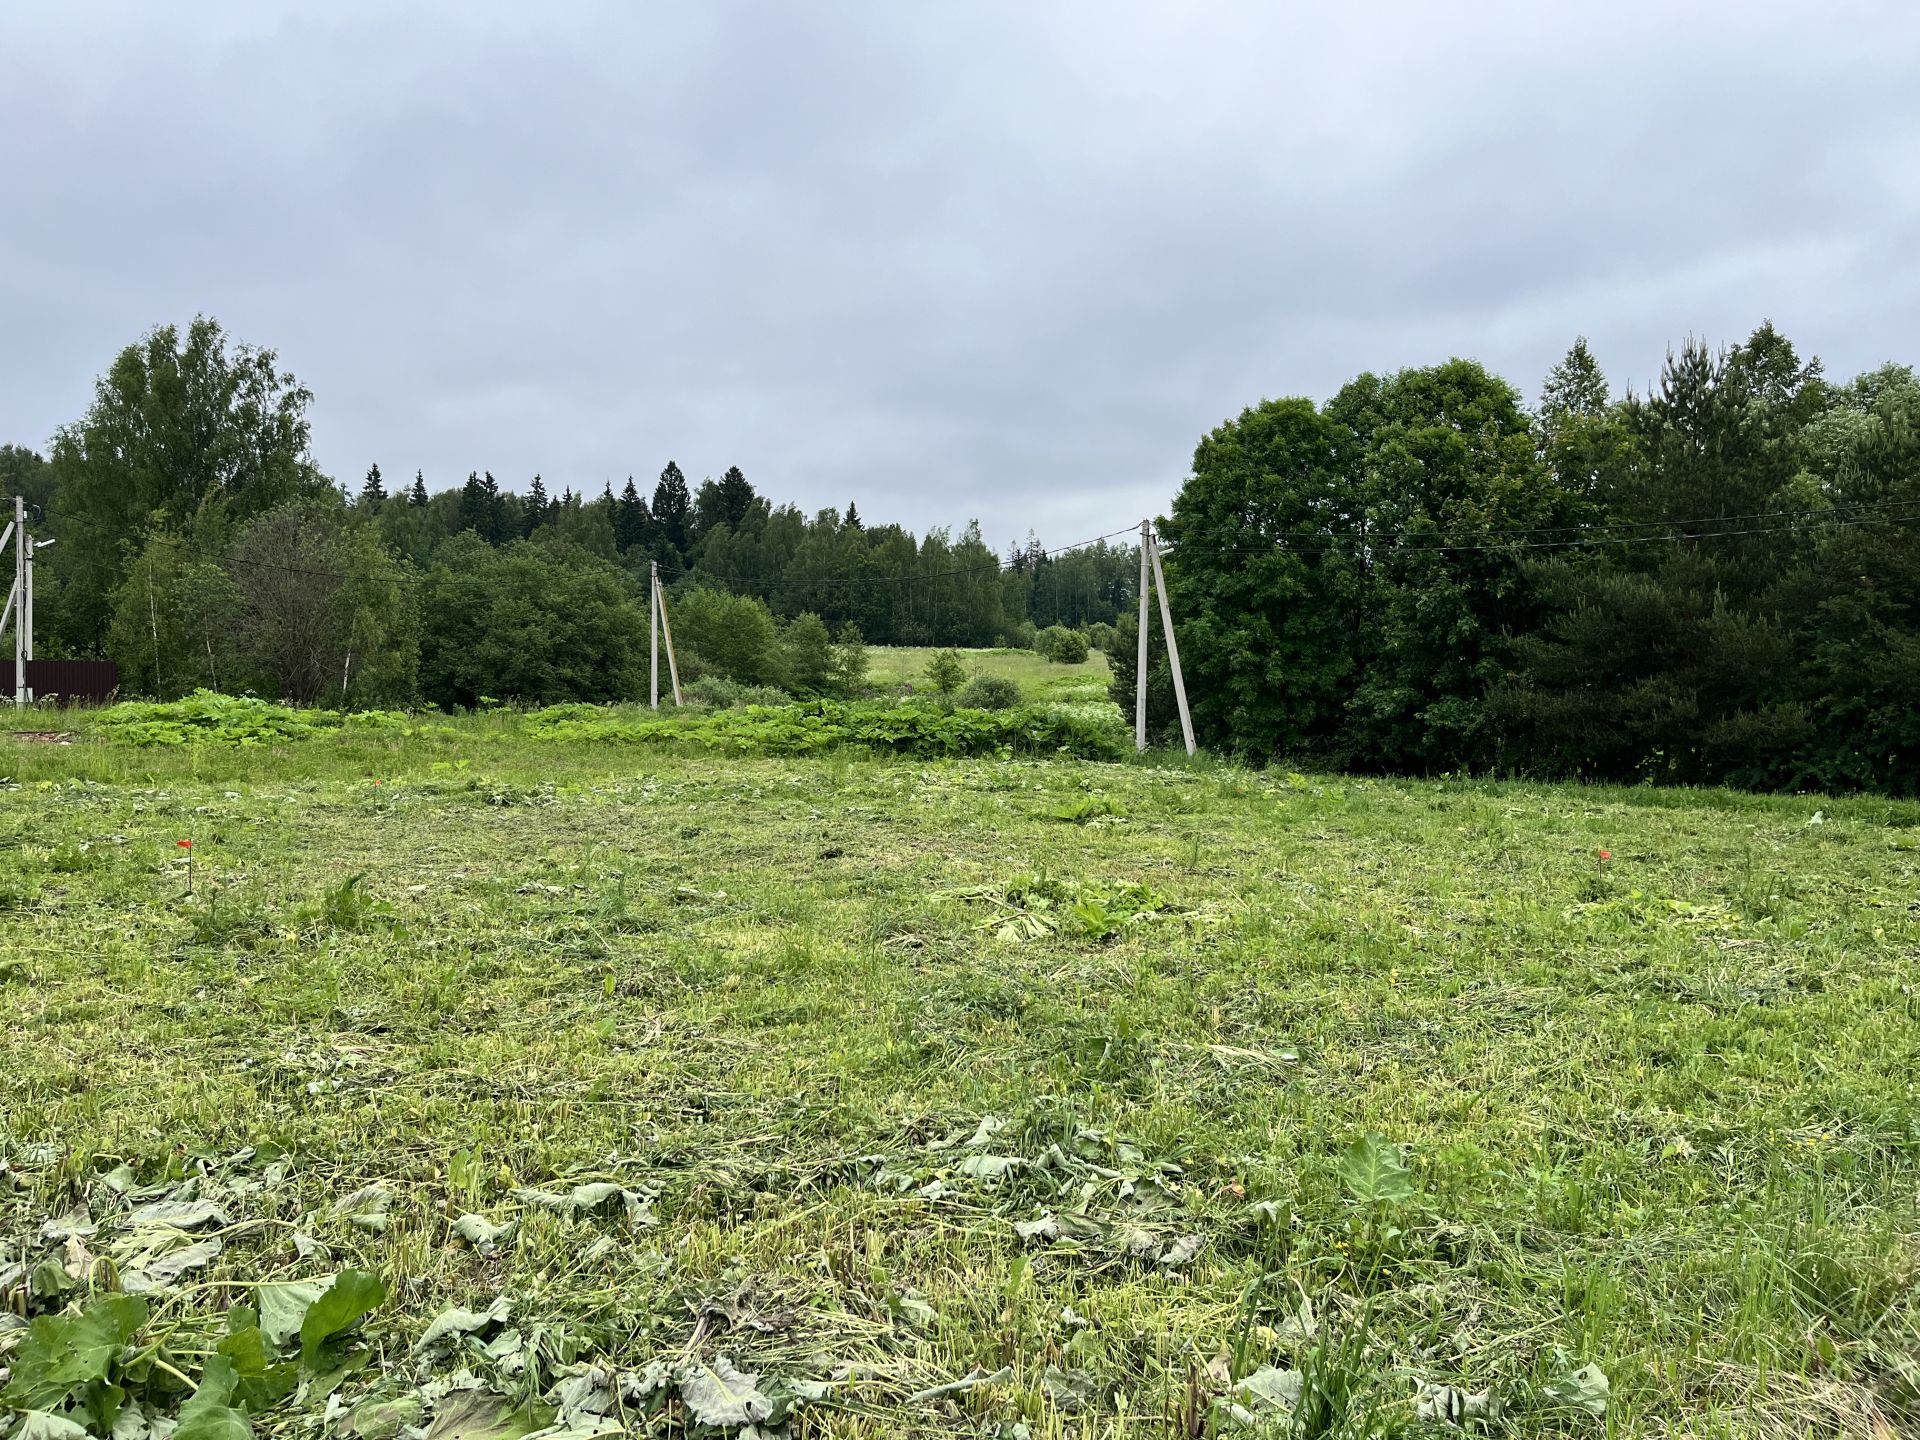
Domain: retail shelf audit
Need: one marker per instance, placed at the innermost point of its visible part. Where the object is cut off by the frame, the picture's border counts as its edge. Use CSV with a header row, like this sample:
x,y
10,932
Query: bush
x,y
1061,645
918,730
1100,637
807,650
736,634
850,661
988,692
1023,635
208,718
719,693
945,673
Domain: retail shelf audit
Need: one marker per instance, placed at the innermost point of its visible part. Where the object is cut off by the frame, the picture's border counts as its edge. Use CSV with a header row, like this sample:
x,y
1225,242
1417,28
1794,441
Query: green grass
x,y
1038,678
1657,1112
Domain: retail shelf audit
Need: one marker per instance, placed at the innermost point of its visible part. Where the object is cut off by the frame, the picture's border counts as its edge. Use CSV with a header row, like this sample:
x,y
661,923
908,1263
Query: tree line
x,y
1717,581
200,545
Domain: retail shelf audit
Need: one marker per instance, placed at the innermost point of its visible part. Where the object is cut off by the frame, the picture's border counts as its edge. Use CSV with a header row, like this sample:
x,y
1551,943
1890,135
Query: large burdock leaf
x,y
163,1270
1375,1172
446,1331
1266,1393
720,1395
1585,1389
485,1415
71,1359
342,1306
210,1414
39,1425
179,1215
283,1307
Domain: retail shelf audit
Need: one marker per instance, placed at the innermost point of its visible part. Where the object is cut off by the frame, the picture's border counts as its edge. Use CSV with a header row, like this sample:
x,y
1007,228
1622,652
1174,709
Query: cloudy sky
x,y
994,260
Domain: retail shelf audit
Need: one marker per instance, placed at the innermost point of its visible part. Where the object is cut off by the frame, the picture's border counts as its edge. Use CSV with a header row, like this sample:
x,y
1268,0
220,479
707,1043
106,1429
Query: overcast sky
x,y
1006,261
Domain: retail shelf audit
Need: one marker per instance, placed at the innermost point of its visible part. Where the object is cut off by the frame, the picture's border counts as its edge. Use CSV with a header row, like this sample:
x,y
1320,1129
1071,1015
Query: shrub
x,y
1100,637
1061,645
945,673
735,634
807,652
850,660
917,730
989,692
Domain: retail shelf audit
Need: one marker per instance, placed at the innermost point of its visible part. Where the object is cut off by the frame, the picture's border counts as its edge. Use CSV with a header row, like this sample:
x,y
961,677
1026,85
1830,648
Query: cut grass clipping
x,y
501,1075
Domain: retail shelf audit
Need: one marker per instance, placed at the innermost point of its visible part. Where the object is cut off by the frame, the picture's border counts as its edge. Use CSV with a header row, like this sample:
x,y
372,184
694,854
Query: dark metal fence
x,y
73,682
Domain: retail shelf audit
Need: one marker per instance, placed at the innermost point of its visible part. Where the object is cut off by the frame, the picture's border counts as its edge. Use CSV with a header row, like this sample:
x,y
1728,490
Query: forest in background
x,y
198,545
1717,581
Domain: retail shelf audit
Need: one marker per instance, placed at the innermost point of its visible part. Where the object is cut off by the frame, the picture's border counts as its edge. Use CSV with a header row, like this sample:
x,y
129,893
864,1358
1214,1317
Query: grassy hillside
x,y
1105,1093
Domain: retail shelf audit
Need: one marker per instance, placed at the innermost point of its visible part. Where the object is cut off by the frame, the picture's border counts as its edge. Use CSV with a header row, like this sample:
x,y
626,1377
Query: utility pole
x,y
666,629
1140,671
653,629
1173,647
17,598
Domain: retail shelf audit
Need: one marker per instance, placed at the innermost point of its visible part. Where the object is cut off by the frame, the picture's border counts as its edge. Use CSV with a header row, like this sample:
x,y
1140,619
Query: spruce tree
x,y
671,504
475,513
735,496
496,523
853,516
536,506
417,496
629,519
373,493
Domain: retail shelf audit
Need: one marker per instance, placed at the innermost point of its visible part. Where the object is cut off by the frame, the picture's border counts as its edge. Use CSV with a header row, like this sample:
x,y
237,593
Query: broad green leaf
x,y
1375,1172
1068,1389
1256,1399
210,1415
71,1359
262,1380
1585,1389
179,1215
163,1270
39,1425
283,1307
382,1419
445,1331
721,1395
484,1415
344,1304
989,1167
481,1233
1451,1405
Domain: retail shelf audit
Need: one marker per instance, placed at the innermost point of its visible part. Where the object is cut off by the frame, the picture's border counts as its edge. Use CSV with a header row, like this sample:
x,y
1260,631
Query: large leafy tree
x,y
1444,464
1264,574
172,623
535,621
326,614
186,432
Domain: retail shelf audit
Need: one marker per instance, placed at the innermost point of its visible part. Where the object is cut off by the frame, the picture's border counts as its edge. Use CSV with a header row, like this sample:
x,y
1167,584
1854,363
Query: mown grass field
x,y
889,666
1047,1076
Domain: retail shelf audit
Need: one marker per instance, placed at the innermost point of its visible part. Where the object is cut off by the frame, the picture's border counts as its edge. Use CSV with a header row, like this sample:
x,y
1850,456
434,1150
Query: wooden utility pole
x,y
666,628
1140,669
1173,647
17,598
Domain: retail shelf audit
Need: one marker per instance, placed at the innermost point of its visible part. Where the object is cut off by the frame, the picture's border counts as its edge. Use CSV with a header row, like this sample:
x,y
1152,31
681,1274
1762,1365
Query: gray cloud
x,y
1004,261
